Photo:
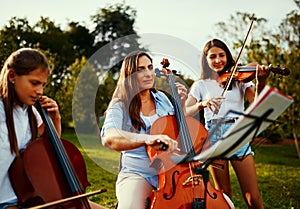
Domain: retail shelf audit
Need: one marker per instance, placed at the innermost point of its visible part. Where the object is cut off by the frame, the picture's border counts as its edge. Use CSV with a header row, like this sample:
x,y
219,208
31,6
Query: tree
x,y
81,39
43,35
234,31
65,94
290,30
111,24
104,95
13,36
52,38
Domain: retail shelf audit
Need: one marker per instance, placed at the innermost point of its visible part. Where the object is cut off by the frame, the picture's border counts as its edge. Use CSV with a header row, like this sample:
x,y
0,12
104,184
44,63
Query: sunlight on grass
x,y
278,172
102,156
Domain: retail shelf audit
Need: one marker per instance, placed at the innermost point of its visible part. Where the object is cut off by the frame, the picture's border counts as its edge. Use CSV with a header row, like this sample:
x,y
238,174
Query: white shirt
x,y
23,133
202,90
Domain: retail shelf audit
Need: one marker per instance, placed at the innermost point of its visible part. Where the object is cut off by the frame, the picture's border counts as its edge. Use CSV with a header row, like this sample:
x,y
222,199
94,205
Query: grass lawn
x,y
278,170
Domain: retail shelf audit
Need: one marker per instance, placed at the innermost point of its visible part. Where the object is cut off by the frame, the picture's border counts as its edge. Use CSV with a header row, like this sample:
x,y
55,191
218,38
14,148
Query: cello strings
x,y
181,120
61,153
65,162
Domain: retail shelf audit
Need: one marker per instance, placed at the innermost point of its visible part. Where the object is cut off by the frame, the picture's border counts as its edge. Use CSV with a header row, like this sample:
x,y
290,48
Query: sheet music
x,y
270,99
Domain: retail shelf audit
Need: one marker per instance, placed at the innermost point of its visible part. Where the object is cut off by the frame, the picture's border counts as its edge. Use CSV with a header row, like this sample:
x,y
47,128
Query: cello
x,y
50,172
179,184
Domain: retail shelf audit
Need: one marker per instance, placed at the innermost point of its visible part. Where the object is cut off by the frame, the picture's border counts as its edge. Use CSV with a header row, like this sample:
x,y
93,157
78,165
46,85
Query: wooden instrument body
x,y
178,185
37,176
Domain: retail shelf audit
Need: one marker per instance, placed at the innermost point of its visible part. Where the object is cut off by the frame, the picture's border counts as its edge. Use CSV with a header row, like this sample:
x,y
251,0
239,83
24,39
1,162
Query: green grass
x,y
98,176
278,170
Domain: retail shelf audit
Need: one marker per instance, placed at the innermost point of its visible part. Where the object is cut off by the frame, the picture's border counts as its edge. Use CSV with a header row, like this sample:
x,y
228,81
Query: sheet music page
x,y
270,99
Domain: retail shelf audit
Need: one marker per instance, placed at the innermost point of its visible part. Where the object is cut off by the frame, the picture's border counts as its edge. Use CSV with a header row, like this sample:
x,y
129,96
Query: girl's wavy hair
x,y
22,61
206,70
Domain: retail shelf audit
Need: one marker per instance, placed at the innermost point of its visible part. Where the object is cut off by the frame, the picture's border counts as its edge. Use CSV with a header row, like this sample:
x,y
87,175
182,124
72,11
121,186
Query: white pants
x,y
132,191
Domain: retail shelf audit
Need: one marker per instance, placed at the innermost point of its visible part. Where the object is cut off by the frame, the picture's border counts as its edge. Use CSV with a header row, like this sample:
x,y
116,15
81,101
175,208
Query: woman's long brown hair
x,y
127,88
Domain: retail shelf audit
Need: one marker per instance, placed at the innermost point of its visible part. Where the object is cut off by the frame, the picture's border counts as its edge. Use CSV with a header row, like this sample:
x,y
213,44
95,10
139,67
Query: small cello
x,y
50,169
179,186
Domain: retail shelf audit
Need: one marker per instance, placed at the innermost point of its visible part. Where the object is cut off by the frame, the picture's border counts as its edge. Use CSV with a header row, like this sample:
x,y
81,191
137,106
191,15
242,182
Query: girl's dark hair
x,y
22,61
206,71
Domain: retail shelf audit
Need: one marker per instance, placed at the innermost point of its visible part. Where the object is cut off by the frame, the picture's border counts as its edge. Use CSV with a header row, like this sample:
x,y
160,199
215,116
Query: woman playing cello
x,y
135,105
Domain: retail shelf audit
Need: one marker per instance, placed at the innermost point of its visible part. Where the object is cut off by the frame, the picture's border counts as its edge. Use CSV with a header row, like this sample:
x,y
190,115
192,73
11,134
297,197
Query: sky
x,y
192,21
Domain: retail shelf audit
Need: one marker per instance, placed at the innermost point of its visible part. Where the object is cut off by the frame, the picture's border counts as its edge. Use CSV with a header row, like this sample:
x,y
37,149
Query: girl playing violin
x,y
135,105
22,80
205,94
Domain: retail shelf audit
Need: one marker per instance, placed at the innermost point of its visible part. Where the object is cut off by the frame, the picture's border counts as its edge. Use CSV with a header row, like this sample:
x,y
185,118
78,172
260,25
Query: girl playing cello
x,y
22,80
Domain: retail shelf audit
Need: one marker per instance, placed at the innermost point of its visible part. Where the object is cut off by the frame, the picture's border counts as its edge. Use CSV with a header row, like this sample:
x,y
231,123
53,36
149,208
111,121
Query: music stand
x,y
258,116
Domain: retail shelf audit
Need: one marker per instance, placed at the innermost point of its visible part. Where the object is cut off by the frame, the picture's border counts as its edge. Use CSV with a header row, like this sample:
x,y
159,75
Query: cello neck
x,y
61,154
185,137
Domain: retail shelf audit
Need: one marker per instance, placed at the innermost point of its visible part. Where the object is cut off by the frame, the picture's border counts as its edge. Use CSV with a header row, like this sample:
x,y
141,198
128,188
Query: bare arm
x,y
193,107
262,73
120,140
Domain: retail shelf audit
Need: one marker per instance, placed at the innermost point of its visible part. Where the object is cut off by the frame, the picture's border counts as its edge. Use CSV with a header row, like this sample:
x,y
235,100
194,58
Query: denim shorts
x,y
218,129
8,204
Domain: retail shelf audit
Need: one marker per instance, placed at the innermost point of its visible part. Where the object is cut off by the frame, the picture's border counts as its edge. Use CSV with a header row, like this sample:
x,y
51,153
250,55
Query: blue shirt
x,y
136,160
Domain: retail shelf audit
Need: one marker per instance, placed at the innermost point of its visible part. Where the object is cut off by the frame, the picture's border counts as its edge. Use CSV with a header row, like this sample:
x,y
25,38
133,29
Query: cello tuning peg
x,y
175,72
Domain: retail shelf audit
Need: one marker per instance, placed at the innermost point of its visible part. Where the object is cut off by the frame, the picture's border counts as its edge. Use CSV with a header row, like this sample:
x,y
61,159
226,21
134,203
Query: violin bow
x,y
253,18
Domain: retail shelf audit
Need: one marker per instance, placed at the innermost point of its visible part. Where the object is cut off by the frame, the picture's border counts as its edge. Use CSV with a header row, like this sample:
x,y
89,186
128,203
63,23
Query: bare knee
x,y
12,207
96,206
253,201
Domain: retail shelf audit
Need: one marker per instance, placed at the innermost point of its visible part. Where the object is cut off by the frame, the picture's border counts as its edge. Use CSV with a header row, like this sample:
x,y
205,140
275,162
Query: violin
x,y
50,170
178,183
246,74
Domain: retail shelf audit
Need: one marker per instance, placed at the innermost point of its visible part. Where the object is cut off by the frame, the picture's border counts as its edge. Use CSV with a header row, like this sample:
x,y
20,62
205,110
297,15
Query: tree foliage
x,y
111,24
68,50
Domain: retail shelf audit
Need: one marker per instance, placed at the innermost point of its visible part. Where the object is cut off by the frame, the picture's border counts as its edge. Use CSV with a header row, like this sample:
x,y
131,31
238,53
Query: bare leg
x,y
221,177
246,174
96,206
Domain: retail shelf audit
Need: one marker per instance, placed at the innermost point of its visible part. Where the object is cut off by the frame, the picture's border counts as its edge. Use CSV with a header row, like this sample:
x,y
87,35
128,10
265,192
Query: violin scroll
x,y
278,70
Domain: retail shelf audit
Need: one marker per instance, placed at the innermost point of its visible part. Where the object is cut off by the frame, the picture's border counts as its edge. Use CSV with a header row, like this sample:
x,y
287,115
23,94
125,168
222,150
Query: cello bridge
x,y
195,180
